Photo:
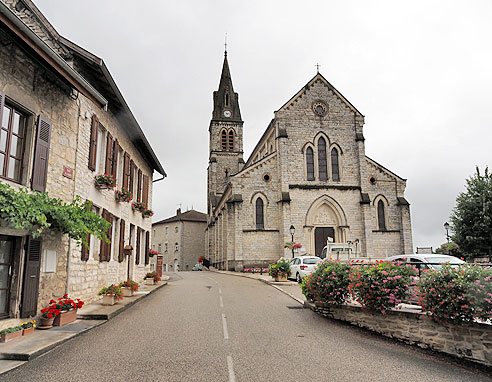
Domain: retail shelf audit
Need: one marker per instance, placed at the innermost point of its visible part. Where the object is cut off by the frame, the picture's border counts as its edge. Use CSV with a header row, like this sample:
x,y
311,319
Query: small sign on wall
x,y
68,172
49,261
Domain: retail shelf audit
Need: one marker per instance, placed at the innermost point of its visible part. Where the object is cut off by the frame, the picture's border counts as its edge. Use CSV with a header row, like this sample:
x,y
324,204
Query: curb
x,y
271,283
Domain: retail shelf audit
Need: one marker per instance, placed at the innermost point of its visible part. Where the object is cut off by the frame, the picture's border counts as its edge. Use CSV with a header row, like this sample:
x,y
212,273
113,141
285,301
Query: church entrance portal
x,y
321,235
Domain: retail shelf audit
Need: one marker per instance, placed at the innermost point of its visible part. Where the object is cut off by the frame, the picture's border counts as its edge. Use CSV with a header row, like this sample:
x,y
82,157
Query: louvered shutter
x,y
102,248
147,248
126,170
41,154
2,104
85,249
121,254
109,154
145,190
137,250
139,186
116,151
30,287
105,253
132,175
93,143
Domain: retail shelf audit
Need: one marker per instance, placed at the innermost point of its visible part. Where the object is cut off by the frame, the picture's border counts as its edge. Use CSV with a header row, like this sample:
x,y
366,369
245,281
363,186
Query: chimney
x,y
178,212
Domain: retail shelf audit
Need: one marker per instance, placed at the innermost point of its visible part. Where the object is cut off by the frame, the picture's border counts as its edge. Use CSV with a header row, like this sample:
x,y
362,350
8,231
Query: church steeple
x,y
226,101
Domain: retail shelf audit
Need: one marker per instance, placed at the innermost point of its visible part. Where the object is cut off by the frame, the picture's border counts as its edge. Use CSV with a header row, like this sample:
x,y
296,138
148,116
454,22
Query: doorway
x,y
321,235
7,246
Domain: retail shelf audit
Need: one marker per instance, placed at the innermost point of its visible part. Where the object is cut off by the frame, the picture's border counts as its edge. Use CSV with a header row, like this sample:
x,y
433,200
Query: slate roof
x,y
191,216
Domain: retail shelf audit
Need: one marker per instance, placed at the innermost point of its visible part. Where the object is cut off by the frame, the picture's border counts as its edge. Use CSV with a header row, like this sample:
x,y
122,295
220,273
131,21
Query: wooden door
x,y
7,247
159,265
321,235
30,286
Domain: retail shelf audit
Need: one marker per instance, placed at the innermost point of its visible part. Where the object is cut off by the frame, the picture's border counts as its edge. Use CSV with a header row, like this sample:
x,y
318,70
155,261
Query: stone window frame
x,y
304,152
330,165
225,139
381,198
259,195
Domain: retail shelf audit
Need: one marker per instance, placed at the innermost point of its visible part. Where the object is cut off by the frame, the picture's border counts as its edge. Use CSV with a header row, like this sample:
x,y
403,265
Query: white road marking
x,y
224,327
221,302
220,291
212,279
232,377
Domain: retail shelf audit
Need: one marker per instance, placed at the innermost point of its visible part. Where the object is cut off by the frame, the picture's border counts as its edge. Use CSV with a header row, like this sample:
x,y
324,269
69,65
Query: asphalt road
x,y
206,326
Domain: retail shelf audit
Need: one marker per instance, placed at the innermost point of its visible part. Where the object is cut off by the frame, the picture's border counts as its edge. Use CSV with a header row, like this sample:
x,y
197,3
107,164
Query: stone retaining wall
x,y
473,343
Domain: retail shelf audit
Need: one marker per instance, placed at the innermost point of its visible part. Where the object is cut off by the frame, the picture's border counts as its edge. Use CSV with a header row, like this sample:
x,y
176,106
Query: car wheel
x,y
298,278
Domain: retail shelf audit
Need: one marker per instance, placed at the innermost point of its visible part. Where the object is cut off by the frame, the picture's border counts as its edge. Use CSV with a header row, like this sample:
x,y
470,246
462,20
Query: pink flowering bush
x,y
457,295
328,283
381,286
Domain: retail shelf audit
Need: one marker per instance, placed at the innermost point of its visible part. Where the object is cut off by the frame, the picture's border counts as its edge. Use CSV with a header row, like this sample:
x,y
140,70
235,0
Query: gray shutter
x,y
41,154
30,286
147,247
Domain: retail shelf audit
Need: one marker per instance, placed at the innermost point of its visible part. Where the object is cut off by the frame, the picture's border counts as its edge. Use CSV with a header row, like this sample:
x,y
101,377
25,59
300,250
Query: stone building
x,y
64,120
180,239
308,171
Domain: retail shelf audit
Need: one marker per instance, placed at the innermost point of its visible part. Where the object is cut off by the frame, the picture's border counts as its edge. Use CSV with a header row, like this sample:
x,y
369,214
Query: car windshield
x,y
312,260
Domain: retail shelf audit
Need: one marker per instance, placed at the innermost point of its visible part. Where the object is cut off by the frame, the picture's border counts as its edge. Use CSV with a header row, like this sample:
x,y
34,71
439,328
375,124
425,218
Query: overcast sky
x,y
419,71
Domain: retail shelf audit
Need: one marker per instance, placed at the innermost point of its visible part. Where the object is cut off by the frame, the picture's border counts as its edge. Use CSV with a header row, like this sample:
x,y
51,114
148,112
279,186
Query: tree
x,y
472,217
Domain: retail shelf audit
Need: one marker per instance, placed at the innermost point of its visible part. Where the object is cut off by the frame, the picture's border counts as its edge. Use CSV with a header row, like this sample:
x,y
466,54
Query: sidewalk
x,y
290,288
18,351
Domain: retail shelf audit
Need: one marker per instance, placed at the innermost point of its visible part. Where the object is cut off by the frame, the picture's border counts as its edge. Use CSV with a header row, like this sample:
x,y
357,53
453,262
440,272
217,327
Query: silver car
x,y
428,261
301,266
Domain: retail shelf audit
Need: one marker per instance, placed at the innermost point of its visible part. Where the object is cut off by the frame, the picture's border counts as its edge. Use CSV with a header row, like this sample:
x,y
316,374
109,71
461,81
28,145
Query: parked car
x,y
197,267
428,261
301,266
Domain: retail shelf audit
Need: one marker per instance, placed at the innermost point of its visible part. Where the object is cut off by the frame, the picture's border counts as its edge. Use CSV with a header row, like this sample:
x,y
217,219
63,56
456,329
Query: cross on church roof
x,y
225,45
317,67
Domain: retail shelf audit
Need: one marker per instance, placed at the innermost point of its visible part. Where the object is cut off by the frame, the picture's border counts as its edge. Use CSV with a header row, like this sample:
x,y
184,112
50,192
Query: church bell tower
x,y
226,138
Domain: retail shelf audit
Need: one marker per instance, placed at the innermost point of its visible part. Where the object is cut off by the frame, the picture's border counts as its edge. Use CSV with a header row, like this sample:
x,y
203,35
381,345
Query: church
x,y
308,178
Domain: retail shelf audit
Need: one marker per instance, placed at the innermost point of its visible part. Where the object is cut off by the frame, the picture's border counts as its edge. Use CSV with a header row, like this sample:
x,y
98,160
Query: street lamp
x,y
292,230
446,227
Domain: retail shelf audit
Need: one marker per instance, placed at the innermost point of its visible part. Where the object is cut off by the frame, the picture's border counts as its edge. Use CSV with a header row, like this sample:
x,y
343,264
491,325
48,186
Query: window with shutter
x,y
93,143
131,186
145,190
121,253
30,286
231,141
85,249
105,253
12,141
41,154
109,154
322,162
139,186
137,246
114,161
126,170
147,247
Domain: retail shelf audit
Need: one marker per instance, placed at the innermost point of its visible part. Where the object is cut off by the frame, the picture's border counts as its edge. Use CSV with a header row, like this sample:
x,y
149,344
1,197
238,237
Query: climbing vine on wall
x,y
36,212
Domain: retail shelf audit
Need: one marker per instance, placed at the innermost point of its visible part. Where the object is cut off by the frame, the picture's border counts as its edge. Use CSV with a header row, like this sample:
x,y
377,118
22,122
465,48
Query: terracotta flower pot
x,y
46,323
10,336
65,317
108,300
27,331
127,292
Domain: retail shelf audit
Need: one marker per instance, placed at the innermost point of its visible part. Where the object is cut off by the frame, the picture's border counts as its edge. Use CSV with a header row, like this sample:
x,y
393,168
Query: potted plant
x,y
48,316
129,287
280,270
111,294
138,206
10,333
28,327
123,195
68,310
147,213
103,181
152,278
152,253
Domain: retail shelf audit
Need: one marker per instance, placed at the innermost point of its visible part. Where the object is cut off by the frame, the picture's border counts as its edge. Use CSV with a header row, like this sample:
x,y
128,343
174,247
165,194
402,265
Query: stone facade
x,y
180,240
38,86
473,343
346,203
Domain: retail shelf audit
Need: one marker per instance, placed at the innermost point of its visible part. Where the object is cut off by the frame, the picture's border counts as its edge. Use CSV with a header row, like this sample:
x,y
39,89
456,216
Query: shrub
x,y
328,283
457,295
381,286
280,268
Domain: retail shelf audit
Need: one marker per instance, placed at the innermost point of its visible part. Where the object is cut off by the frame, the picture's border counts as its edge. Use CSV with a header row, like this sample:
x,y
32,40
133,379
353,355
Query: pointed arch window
x,y
223,140
335,169
322,163
381,216
260,222
231,141
310,163
227,99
